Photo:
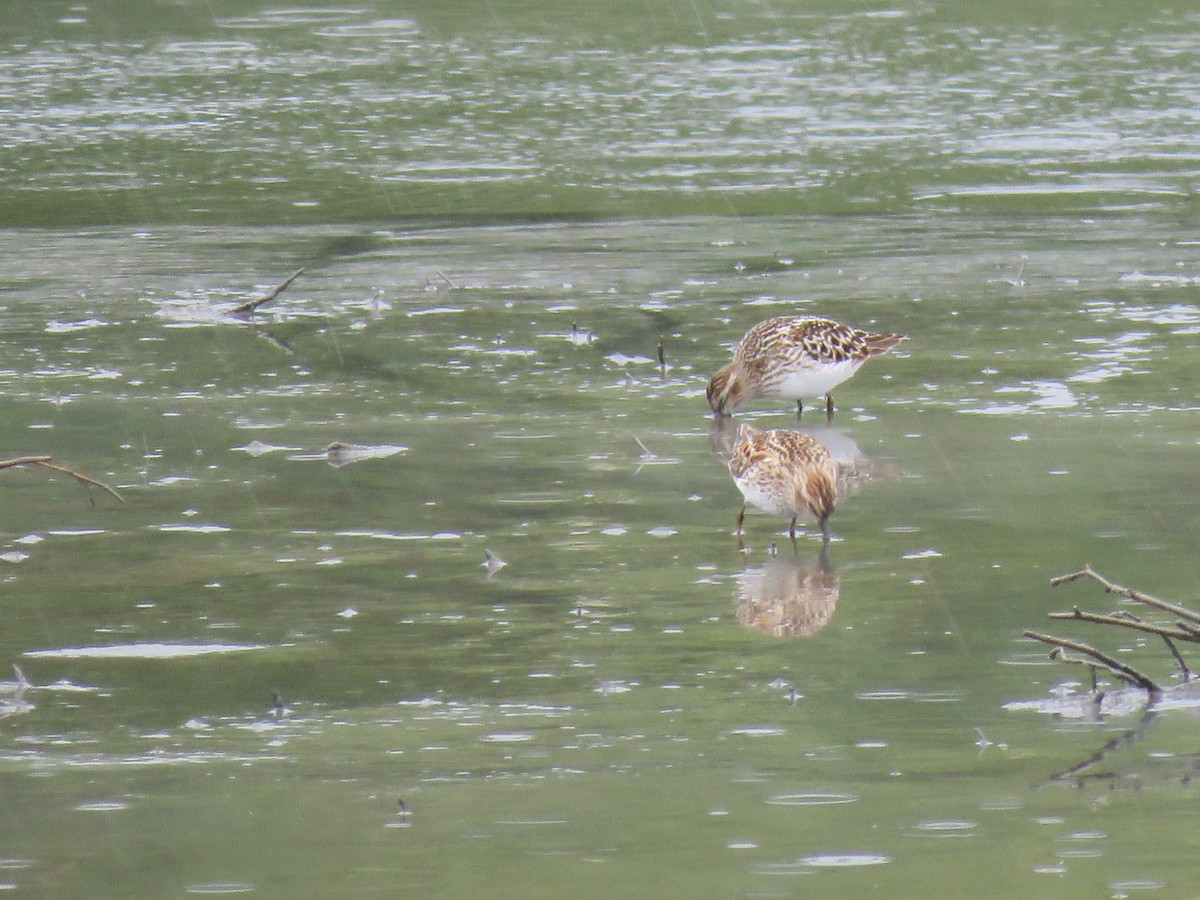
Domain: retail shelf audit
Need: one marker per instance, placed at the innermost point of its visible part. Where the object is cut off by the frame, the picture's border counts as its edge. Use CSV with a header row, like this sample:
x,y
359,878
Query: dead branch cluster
x,y
1184,628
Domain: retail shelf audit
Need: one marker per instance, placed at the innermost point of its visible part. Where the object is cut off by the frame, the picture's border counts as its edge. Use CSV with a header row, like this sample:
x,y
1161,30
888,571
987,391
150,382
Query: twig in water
x,y
251,305
45,463
646,451
1120,669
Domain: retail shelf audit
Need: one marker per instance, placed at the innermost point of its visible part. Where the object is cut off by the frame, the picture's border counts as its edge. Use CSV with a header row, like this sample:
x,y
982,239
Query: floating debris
x,y
340,454
13,701
982,741
580,336
433,285
143,650
492,562
620,359
17,687
650,458
403,816
257,448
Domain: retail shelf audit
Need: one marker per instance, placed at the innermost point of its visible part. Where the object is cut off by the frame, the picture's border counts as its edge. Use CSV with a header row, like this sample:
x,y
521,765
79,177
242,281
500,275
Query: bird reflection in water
x,y
789,595
792,594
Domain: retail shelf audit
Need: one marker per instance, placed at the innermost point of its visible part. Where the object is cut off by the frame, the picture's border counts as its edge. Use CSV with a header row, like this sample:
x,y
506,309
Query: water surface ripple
x,y
335,114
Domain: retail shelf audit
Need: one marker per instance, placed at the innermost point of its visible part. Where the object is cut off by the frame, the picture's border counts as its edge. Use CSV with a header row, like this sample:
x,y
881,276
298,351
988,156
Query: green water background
x,y
1010,185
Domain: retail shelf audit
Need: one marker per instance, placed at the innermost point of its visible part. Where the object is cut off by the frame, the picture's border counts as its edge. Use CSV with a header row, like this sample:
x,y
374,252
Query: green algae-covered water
x,y
501,212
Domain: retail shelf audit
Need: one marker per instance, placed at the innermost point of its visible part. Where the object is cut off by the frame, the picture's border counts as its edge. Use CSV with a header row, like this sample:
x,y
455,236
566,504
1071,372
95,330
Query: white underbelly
x,y
813,382
768,501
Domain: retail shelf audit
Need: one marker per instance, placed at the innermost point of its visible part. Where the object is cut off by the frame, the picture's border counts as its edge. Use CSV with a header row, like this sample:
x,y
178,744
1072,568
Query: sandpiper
x,y
794,357
784,473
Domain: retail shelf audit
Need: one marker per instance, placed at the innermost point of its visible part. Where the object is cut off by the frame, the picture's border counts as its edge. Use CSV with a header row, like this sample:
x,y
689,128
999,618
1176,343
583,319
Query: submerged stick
x,y
1117,667
45,463
1112,588
251,305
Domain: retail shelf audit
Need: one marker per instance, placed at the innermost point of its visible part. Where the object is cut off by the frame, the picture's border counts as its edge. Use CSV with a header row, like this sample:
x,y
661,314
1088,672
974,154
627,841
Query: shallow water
x,y
278,668
237,111
600,712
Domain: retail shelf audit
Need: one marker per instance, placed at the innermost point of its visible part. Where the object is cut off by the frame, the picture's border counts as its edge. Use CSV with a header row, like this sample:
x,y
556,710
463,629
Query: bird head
x,y
725,391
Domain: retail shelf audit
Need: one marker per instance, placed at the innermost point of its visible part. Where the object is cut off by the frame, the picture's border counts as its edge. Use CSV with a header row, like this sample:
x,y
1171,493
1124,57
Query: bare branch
x,y
45,463
1112,588
1093,667
1122,621
24,461
251,305
1189,628
1117,667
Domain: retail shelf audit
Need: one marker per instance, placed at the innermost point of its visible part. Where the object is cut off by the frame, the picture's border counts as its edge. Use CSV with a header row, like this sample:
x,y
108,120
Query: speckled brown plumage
x,y
794,357
784,473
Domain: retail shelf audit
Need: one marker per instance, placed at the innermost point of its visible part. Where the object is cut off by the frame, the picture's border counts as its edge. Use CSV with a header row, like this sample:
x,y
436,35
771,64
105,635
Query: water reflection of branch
x,y
1123,739
273,339
45,463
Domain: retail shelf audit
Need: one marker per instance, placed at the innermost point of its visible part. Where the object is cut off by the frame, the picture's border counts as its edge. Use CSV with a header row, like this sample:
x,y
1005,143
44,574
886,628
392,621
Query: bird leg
x,y
799,408
823,558
792,529
824,522
741,517
829,407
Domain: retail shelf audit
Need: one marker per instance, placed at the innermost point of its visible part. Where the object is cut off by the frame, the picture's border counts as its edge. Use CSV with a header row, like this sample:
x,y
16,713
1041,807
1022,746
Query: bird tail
x,y
882,343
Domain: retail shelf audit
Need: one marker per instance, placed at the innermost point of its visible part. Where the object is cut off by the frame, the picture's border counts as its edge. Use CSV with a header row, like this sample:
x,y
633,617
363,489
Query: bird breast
x,y
814,380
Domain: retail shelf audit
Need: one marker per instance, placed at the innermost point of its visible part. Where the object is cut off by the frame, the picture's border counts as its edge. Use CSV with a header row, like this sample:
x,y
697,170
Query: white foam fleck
x,y
927,553
147,650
